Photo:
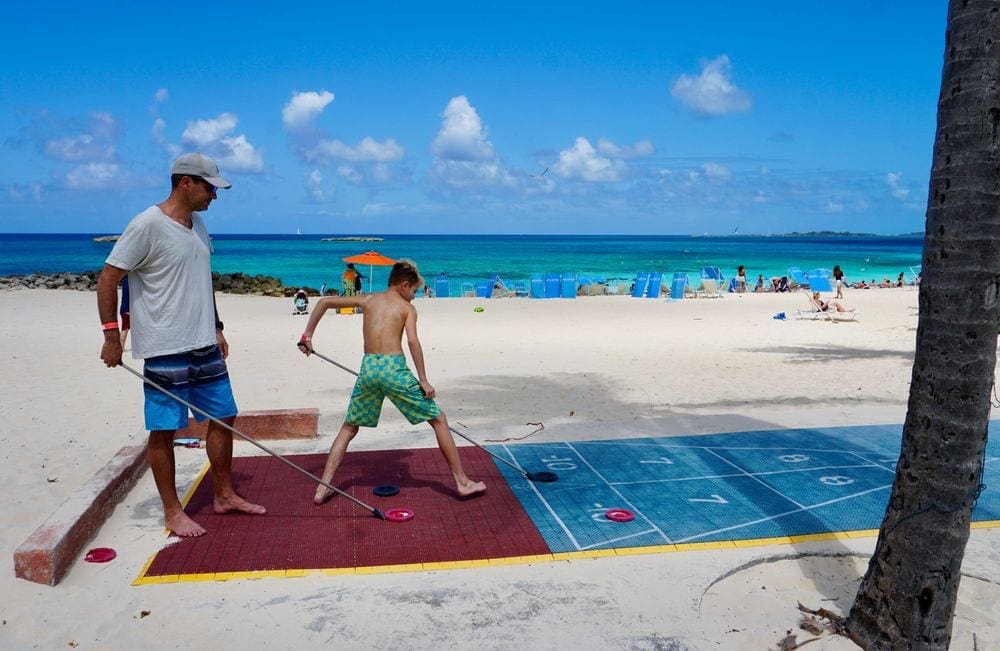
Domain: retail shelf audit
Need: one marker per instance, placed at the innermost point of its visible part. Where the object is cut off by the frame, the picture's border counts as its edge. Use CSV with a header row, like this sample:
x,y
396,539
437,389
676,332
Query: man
x,y
165,251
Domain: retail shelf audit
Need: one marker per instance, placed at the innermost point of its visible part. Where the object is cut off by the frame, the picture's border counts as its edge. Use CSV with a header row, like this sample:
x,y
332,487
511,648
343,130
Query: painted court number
x,y
558,463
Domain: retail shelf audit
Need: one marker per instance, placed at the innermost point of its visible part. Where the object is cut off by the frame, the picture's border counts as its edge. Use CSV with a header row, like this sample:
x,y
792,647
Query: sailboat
x,y
298,231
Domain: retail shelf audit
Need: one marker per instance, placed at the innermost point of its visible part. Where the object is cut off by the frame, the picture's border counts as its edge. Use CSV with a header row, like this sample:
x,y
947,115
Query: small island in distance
x,y
353,239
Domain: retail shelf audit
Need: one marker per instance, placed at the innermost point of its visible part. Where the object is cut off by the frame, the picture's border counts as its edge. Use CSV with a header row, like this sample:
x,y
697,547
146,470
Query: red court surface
x,y
296,537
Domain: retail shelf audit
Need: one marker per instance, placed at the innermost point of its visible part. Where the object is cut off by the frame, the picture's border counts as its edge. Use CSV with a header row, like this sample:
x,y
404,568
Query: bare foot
x,y
322,494
180,524
236,504
469,487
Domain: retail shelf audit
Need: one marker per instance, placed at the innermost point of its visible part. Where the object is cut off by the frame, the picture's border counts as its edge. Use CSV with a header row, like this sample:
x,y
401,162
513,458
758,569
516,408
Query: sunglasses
x,y
198,179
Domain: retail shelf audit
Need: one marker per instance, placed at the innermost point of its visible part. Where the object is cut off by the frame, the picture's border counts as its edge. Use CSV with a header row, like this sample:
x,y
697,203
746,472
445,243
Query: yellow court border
x,y
142,579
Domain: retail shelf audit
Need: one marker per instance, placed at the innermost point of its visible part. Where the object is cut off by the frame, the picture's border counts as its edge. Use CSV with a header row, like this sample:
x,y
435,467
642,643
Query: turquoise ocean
x,y
311,261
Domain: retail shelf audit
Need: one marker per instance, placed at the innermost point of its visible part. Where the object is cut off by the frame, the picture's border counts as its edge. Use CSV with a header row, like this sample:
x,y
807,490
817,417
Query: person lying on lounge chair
x,y
827,305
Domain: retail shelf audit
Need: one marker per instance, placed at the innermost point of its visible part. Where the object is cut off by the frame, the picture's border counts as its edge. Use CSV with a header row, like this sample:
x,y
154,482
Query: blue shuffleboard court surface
x,y
719,489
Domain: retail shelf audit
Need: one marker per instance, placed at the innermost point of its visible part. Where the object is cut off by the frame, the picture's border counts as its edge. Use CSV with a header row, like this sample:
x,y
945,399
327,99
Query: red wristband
x,y
111,325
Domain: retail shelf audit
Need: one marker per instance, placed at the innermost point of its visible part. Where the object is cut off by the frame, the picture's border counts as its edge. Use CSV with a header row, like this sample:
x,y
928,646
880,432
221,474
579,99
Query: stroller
x,y
301,302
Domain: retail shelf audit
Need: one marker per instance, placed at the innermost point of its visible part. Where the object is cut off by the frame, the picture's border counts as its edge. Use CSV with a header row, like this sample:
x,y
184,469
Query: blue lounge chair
x,y
678,286
712,273
553,285
537,286
568,286
819,280
639,287
796,275
442,287
653,287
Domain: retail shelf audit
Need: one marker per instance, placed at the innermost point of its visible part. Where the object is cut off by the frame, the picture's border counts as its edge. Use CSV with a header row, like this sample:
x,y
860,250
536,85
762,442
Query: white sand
x,y
590,368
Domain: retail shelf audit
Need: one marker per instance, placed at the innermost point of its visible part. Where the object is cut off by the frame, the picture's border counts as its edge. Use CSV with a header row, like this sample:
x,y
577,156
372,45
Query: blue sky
x,y
582,117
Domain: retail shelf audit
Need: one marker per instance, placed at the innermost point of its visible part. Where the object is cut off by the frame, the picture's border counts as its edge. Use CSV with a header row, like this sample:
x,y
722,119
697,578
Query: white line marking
x,y
618,493
781,515
545,503
770,488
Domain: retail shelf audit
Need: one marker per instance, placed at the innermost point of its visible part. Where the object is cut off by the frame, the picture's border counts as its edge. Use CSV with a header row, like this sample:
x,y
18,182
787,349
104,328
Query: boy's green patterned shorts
x,y
387,376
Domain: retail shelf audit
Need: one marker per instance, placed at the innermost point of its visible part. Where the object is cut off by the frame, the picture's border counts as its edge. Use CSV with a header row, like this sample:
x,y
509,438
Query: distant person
x,y
165,250
741,279
349,281
901,280
359,283
322,290
123,312
759,286
825,306
783,285
384,373
838,280
885,283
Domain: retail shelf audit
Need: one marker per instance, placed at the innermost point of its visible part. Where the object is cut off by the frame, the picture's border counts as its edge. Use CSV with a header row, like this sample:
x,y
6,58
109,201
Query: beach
x,y
600,367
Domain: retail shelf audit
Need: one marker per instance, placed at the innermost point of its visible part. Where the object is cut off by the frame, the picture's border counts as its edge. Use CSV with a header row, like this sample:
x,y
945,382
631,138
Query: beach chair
x,y
567,284
915,272
712,273
814,312
639,287
678,286
710,288
537,284
553,285
442,286
654,285
819,280
797,279
499,288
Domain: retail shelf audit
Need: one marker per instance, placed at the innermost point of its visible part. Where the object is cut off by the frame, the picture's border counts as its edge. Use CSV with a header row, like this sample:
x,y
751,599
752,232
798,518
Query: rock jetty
x,y
86,281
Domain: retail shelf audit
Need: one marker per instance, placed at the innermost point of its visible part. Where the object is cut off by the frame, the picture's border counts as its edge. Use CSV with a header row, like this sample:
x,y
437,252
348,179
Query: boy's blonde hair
x,y
405,271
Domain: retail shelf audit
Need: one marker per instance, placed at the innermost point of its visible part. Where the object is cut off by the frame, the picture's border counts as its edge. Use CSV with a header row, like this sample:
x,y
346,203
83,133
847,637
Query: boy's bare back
x,y
385,316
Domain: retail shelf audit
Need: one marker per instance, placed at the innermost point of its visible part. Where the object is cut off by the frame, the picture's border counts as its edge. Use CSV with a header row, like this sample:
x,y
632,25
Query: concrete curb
x,y
48,553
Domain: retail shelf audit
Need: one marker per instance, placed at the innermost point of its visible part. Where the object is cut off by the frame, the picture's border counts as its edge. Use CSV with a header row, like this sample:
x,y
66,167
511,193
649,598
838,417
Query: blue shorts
x,y
200,377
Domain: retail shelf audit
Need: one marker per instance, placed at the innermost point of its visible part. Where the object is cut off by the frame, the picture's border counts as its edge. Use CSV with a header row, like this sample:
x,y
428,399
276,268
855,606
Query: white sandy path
x,y
600,367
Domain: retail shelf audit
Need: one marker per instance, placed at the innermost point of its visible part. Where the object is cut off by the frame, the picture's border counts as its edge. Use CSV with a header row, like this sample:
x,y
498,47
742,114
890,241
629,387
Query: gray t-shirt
x,y
170,283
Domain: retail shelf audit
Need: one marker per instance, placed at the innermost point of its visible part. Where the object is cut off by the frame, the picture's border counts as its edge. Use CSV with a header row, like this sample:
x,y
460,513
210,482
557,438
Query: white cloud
x,y
639,150
205,132
161,95
717,172
92,176
314,184
303,108
892,180
233,152
583,162
464,173
833,206
374,209
462,136
712,92
368,150
350,174
96,143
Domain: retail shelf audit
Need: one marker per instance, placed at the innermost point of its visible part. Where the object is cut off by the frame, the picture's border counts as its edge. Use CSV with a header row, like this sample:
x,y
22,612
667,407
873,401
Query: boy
x,y
387,315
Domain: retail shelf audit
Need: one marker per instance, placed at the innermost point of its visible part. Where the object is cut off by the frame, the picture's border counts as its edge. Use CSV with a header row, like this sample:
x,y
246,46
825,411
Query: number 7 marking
x,y
715,499
662,460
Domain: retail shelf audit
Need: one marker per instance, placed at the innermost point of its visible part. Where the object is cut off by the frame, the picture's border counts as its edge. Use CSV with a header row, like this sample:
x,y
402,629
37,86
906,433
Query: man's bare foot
x,y
469,487
236,504
322,494
180,524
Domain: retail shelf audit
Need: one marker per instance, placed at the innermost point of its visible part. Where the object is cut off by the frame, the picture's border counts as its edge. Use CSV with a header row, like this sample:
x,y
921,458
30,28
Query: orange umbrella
x,y
370,258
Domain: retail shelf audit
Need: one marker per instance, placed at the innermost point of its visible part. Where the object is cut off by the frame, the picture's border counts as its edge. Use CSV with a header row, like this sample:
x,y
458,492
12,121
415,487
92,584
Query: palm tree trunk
x,y
907,597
